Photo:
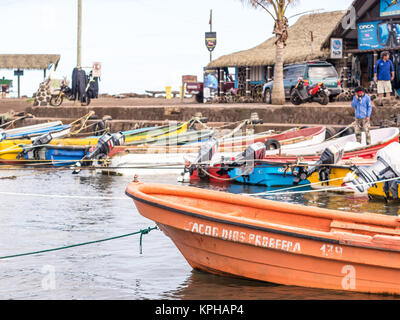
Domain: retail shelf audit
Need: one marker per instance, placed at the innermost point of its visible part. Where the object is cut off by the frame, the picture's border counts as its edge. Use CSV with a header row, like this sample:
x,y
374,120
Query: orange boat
x,y
235,235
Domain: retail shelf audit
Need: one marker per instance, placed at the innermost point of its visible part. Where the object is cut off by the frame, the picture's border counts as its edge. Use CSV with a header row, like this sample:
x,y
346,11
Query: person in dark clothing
x,y
79,83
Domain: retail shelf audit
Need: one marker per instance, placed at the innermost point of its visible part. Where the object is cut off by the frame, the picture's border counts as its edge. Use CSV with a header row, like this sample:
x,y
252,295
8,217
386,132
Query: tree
x,y
280,31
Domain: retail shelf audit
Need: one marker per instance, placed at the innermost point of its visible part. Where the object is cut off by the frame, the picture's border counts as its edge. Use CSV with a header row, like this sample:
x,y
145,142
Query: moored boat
x,y
172,159
242,236
277,170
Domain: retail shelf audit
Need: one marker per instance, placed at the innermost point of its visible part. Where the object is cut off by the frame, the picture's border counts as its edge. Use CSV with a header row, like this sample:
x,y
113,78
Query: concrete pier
x,y
135,112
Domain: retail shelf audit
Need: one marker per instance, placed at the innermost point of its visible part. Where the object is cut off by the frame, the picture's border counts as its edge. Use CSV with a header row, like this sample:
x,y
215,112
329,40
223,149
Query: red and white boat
x,y
352,149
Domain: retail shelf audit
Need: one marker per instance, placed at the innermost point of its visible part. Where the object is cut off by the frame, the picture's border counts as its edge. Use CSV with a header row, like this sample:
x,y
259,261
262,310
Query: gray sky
x,y
141,44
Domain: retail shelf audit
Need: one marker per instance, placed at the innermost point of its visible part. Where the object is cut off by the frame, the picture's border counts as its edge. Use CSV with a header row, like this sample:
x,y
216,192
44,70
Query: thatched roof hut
x,y
28,61
299,47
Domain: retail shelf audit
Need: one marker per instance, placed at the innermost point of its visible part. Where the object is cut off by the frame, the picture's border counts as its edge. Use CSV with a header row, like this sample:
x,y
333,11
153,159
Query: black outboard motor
x,y
37,143
387,166
104,146
331,155
206,153
245,159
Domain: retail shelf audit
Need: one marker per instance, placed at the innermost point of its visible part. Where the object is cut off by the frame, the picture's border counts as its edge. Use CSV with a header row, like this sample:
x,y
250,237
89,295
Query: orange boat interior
x,y
359,227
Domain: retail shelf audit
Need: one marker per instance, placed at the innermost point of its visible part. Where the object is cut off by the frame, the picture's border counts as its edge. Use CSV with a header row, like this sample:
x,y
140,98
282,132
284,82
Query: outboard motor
x,y
387,166
254,152
104,146
206,153
331,155
245,159
33,149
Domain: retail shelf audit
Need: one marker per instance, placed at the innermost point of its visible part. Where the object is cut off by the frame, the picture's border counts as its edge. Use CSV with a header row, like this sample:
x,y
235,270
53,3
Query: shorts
x,y
384,86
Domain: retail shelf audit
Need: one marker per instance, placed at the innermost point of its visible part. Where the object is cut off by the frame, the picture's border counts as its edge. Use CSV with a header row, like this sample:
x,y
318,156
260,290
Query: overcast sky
x,y
141,44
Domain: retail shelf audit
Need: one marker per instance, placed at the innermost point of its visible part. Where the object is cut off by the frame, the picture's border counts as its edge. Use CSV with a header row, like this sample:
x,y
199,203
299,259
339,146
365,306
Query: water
x,y
116,269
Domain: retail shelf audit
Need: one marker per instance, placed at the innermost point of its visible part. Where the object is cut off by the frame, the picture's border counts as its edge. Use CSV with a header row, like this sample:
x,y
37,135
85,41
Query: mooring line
x,y
142,232
368,184
61,196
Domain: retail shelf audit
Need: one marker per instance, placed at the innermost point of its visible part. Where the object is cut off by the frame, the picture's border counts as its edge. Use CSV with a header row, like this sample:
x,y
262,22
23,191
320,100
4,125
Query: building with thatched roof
x,y
20,62
304,43
255,66
351,40
28,61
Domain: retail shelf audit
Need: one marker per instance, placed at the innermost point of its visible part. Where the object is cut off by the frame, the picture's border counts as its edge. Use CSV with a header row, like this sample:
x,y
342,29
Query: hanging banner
x,y
368,36
211,40
210,89
336,48
389,8
378,35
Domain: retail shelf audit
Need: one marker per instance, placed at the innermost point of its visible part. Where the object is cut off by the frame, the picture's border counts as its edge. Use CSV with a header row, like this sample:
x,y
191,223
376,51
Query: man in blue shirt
x,y
363,109
384,74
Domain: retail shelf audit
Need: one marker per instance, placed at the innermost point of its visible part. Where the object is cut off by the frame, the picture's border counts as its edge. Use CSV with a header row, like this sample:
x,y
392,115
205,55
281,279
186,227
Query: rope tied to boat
x,y
343,188
141,232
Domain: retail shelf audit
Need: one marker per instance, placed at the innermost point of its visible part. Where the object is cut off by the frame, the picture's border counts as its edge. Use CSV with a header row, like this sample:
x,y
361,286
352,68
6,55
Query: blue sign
x,y
368,36
389,8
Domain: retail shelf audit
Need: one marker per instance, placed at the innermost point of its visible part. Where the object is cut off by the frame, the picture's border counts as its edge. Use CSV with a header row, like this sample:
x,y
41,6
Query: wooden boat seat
x,y
362,228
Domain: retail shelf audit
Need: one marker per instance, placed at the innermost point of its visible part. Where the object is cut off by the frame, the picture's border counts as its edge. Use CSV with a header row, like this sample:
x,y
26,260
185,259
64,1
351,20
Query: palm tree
x,y
281,26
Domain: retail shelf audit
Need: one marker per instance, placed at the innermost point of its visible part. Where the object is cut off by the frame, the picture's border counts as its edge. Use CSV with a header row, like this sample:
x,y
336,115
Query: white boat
x,y
171,160
30,128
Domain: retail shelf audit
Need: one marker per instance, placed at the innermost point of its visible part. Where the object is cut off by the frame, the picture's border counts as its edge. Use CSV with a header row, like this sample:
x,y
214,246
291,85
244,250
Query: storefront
x,y
250,69
368,28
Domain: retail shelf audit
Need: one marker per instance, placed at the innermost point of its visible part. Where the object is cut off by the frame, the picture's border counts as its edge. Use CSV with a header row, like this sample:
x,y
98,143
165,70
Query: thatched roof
x,y
298,47
28,61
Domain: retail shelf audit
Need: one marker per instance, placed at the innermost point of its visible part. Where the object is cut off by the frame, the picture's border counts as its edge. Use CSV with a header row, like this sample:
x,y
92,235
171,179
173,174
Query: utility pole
x,y
79,59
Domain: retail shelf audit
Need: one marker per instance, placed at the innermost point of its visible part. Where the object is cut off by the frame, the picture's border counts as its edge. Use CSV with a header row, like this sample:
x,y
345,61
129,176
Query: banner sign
x,y
189,78
336,48
210,89
389,8
96,69
211,40
368,36
378,35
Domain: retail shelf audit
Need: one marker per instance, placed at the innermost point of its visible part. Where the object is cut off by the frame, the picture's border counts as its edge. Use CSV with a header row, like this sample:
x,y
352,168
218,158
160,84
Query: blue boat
x,y
266,174
57,155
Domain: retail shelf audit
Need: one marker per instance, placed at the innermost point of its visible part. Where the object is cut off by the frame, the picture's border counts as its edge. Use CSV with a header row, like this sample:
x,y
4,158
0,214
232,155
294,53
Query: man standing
x,y
384,74
363,109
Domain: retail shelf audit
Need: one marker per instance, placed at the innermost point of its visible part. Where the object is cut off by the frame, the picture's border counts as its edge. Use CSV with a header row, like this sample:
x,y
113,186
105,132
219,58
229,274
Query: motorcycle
x,y
57,99
303,93
65,91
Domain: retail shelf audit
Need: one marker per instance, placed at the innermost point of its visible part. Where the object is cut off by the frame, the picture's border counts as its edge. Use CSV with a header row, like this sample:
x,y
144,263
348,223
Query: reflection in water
x,y
204,286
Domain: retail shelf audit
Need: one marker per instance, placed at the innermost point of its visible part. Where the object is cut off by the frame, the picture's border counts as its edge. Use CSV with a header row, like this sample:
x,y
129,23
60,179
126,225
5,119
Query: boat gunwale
x,y
330,236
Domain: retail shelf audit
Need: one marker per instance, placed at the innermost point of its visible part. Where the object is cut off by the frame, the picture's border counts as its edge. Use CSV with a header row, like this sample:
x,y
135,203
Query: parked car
x,y
312,73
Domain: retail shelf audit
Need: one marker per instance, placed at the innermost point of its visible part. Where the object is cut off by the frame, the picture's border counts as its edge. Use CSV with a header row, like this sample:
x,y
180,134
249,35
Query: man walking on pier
x,y
363,109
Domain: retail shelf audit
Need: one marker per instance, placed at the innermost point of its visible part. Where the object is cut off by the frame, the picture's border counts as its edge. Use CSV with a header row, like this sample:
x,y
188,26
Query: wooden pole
x,y
79,35
247,81
19,83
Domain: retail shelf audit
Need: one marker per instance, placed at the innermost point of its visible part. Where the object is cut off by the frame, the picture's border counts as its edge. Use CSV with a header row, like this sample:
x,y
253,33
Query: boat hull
x,y
266,175
227,243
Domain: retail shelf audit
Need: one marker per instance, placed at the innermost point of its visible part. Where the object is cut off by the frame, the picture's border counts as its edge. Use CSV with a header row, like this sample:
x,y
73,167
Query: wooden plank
x,y
336,225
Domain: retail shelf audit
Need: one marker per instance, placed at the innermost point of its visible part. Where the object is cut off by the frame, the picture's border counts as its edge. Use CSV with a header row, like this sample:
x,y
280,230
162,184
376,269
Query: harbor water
x,y
43,209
